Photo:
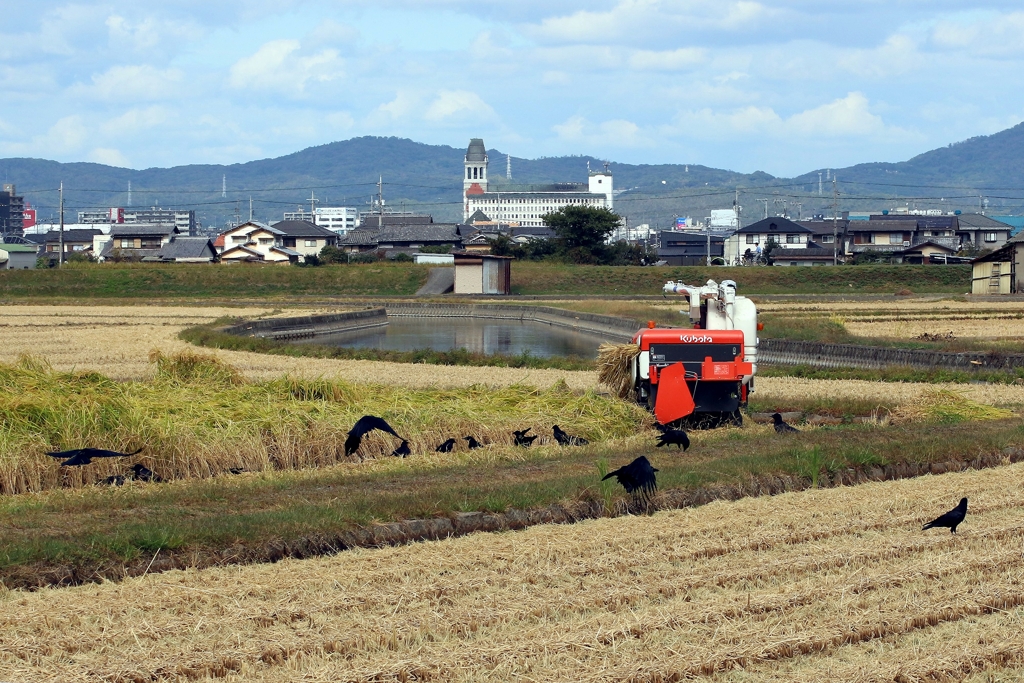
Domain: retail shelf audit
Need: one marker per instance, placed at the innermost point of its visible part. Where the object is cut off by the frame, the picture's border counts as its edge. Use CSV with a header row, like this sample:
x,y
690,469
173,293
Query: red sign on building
x,y
28,218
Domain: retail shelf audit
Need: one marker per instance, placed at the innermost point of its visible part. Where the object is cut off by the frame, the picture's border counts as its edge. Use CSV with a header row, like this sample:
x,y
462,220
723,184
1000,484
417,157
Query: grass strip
x,y
159,281
211,337
79,532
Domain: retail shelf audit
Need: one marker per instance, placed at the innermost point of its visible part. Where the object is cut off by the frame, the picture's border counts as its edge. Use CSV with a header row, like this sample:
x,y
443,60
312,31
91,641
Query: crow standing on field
x,y
780,426
951,519
565,439
472,442
637,478
672,437
521,439
143,473
362,427
447,447
402,450
83,456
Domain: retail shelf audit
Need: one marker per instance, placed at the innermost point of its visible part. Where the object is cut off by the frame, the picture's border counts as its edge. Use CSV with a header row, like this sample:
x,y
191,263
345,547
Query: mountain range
x,y
985,171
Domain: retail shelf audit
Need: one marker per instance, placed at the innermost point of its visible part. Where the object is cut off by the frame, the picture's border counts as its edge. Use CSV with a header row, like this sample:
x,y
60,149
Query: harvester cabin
x,y
482,273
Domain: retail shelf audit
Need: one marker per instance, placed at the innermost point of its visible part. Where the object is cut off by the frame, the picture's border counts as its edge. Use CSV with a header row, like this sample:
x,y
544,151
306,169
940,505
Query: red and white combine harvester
x,y
704,374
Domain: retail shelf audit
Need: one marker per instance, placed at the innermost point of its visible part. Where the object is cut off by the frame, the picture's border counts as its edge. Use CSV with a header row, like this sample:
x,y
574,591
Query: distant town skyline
x,y
782,86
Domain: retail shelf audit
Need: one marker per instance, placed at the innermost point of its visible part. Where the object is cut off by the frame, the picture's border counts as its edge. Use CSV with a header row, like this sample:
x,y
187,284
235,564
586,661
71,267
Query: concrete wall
x,y
790,352
311,325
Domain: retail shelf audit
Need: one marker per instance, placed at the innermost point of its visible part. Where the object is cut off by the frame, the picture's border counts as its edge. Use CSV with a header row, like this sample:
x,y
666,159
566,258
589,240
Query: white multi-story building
x,y
338,219
524,205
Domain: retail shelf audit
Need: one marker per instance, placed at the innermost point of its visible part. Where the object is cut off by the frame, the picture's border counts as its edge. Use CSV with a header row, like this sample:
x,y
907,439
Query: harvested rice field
x,y
820,585
116,341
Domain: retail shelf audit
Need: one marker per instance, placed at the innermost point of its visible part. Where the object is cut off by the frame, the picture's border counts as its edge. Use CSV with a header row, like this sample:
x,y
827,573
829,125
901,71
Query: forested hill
x,y
424,177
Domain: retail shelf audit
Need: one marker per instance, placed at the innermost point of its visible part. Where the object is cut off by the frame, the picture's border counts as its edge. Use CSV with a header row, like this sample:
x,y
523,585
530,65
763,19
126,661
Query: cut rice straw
x,y
614,363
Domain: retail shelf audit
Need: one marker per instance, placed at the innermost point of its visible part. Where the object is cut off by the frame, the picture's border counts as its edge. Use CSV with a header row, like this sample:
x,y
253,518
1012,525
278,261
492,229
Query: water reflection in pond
x,y
507,337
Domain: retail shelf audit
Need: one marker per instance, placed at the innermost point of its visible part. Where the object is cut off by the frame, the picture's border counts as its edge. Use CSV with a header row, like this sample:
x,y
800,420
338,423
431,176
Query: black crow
x,y
564,439
951,519
362,427
780,426
402,450
637,478
112,480
143,473
237,470
672,437
521,439
83,456
447,447
472,442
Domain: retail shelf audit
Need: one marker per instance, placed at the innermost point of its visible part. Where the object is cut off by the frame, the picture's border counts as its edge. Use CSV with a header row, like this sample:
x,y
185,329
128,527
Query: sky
x,y
781,86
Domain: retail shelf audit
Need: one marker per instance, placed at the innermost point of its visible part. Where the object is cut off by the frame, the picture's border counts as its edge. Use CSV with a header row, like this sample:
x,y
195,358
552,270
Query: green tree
x,y
582,231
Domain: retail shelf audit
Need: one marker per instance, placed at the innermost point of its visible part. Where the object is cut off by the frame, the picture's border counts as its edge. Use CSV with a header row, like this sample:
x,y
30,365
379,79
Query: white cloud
x,y
897,56
404,105
279,65
612,133
990,35
150,33
137,119
555,78
132,83
67,135
458,104
848,116
109,156
667,60
638,21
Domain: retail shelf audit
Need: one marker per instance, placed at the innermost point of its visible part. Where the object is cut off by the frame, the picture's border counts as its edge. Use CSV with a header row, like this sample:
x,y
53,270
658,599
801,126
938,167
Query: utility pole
x,y
981,204
312,204
765,200
835,222
224,186
250,208
129,193
380,201
60,259
819,183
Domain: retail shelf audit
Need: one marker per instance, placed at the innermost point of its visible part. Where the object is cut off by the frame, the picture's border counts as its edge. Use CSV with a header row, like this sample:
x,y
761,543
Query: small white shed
x,y
482,273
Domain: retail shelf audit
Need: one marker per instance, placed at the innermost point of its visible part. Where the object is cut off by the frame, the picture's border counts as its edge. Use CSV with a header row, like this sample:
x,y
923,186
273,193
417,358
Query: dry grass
x,y
885,393
821,585
976,328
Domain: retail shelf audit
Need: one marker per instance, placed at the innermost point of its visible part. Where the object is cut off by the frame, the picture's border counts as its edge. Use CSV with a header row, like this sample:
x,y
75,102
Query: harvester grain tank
x,y
705,373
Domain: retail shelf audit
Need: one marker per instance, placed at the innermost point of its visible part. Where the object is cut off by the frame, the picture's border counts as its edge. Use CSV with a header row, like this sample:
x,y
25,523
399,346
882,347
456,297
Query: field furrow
x,y
767,585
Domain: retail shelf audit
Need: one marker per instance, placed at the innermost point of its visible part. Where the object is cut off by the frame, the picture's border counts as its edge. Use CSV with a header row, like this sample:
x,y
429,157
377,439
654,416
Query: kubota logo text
x,y
695,339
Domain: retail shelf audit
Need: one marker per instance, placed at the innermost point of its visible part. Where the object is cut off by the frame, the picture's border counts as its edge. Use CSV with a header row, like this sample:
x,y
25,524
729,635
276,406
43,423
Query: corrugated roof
x,y
20,248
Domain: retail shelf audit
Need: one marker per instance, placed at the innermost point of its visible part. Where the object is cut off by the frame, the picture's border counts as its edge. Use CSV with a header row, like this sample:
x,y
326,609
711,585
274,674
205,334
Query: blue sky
x,y
783,86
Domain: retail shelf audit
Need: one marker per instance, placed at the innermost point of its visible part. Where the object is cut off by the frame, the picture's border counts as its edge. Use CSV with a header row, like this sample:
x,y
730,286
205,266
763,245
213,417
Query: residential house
x,y
756,236
182,249
979,231
810,255
690,248
481,234
133,242
77,241
18,256
306,238
407,238
255,242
